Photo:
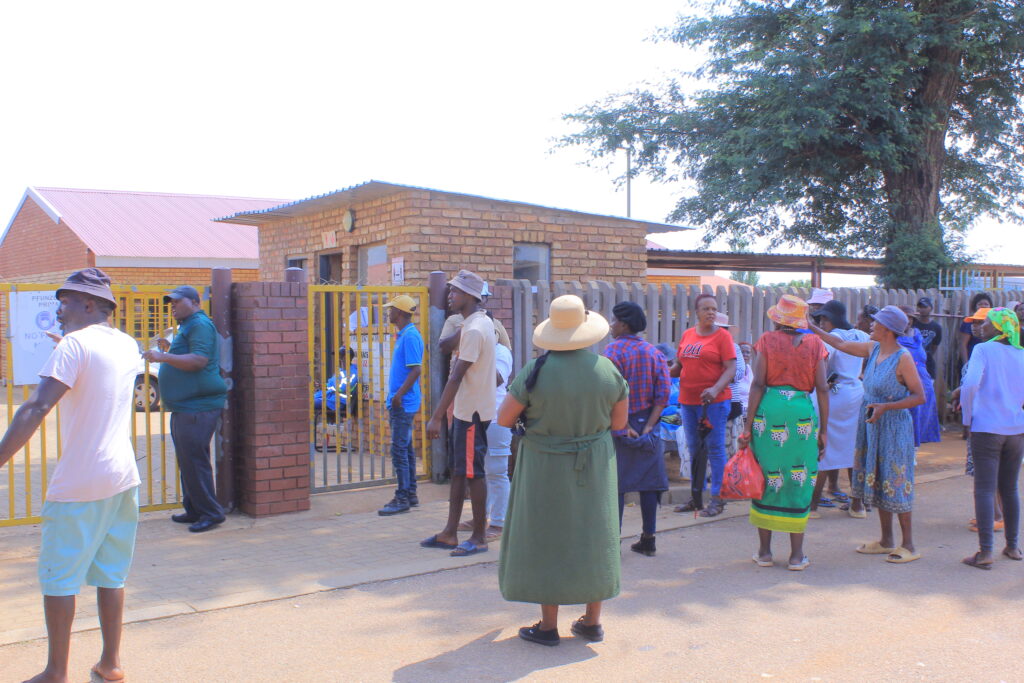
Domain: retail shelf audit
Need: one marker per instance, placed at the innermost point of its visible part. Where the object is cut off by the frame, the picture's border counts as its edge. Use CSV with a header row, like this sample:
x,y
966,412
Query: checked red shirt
x,y
644,369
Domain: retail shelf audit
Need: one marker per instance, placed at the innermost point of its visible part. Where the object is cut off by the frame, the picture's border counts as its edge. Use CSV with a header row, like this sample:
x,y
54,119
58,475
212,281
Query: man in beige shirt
x,y
470,388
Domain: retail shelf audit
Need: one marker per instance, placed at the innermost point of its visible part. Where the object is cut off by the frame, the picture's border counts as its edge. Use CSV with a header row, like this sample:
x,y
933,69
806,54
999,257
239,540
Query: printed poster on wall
x,y
32,315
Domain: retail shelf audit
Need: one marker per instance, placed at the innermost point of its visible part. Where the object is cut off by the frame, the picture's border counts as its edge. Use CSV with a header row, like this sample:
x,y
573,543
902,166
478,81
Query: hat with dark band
x,y
91,281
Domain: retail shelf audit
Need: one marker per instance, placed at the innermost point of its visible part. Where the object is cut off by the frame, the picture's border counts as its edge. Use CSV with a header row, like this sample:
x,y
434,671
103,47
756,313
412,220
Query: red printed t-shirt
x,y
788,365
703,360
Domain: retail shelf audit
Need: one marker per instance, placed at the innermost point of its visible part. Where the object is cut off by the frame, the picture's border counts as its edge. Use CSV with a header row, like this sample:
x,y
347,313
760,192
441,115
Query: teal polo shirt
x,y
202,390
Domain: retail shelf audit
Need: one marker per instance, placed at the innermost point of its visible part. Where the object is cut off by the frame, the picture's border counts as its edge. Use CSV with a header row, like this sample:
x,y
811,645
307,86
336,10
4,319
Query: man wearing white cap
x,y
470,389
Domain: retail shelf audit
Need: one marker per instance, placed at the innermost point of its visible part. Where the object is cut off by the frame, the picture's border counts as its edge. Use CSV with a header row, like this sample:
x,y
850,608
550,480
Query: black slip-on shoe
x,y
414,501
594,634
205,525
535,635
184,518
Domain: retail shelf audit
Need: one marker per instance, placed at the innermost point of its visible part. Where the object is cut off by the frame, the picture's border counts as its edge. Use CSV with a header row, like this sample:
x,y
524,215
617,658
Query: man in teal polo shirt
x,y
403,402
192,389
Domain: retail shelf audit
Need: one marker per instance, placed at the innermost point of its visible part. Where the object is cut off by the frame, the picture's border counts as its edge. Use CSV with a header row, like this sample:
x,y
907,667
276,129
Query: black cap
x,y
91,281
925,301
835,312
183,292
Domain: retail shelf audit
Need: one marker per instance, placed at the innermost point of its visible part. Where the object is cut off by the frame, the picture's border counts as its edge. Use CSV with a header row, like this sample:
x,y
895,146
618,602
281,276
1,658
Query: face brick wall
x,y
35,246
269,325
441,231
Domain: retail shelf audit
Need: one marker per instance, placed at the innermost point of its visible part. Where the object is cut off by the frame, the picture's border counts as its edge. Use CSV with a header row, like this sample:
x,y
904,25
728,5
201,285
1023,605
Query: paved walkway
x,y
340,543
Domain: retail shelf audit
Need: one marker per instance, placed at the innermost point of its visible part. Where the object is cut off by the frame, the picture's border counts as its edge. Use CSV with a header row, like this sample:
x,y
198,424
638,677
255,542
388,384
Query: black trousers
x,y
191,433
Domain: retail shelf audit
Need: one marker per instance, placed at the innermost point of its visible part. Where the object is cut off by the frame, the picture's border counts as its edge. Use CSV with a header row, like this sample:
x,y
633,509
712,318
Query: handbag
x,y
743,478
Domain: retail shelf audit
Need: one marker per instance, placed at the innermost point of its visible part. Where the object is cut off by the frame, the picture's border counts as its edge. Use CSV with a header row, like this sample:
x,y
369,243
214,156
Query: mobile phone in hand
x,y
869,413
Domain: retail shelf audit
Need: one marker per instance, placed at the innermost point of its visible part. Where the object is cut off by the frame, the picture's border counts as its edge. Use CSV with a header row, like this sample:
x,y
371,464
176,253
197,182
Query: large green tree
x,y
865,127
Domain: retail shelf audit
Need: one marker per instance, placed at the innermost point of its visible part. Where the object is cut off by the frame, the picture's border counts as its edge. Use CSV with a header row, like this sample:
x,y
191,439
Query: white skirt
x,y
843,414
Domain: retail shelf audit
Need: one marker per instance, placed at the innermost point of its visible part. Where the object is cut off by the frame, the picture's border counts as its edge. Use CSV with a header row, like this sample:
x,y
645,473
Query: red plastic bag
x,y
743,478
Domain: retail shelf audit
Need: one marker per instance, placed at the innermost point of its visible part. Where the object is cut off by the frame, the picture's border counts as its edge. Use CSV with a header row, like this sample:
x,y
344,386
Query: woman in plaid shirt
x,y
639,452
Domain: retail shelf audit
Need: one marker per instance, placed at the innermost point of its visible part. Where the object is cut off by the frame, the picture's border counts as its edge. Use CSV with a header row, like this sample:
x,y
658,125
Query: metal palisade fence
x,y
350,347
27,313
671,310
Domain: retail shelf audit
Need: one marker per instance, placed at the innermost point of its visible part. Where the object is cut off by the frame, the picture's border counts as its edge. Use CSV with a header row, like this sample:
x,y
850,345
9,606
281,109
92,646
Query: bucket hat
x,y
791,311
835,313
820,296
402,302
893,319
569,326
470,283
91,281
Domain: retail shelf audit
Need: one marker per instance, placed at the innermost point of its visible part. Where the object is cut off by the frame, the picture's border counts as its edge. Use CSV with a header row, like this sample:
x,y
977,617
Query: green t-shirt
x,y
202,390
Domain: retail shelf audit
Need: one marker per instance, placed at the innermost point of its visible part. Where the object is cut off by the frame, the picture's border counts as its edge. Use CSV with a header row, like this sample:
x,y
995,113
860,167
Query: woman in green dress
x,y
561,540
786,434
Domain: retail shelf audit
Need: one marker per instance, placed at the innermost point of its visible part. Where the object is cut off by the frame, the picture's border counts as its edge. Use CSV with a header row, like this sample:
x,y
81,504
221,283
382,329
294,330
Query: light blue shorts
x,y
88,543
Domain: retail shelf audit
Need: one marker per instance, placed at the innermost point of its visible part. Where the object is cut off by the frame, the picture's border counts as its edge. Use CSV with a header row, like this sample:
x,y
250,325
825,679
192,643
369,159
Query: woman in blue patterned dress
x,y
883,469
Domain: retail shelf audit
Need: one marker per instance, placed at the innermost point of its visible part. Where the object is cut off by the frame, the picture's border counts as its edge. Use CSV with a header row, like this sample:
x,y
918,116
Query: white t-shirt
x,y
99,365
503,364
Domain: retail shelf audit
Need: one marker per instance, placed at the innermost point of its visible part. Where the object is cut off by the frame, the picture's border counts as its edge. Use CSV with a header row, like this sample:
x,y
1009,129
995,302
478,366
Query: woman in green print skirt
x,y
784,430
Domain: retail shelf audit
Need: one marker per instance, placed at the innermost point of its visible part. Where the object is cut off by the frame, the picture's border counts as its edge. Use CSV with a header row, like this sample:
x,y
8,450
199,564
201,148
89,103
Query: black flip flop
x,y
972,561
432,542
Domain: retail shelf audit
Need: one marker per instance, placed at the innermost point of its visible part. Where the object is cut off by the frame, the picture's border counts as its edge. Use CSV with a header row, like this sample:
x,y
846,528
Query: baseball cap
x,y
182,292
402,302
925,301
978,316
91,281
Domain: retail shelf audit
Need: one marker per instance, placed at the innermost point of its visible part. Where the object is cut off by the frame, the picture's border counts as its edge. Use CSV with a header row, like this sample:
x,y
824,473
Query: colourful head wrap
x,y
1005,320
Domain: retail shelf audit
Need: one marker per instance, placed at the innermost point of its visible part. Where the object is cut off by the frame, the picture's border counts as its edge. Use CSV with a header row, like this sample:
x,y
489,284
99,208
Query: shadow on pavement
x,y
490,659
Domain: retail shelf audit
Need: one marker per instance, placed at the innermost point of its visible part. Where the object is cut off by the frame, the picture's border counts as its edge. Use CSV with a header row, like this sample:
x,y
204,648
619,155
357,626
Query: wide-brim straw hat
x,y
791,311
569,326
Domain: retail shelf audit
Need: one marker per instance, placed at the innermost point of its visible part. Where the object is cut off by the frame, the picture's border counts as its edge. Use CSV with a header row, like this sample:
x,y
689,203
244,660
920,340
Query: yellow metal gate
x,y
350,345
142,314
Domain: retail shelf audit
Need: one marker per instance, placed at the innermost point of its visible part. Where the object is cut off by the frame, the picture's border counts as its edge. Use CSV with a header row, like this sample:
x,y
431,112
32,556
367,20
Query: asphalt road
x,y
700,610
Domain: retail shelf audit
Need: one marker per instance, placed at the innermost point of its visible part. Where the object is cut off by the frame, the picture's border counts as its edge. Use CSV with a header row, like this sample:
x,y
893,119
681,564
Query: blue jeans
x,y
718,415
403,458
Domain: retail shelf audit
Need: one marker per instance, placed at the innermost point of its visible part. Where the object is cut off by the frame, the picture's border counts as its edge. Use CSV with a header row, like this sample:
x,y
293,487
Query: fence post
x,y
220,306
437,284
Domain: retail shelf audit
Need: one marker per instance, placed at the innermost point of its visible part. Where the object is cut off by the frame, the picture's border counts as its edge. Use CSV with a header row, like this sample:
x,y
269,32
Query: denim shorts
x,y
89,543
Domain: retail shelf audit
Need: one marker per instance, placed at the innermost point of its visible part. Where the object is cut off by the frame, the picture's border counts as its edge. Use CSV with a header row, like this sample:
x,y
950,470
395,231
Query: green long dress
x,y
561,540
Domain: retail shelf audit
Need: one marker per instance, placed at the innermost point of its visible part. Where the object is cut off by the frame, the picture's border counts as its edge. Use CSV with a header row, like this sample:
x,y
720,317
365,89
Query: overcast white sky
x,y
289,100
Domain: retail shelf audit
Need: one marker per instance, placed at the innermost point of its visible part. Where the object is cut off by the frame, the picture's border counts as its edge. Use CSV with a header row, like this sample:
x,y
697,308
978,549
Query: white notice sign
x,y
32,315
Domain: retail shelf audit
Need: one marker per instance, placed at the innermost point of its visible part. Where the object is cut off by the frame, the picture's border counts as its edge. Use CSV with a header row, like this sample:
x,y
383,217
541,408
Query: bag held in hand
x,y
743,478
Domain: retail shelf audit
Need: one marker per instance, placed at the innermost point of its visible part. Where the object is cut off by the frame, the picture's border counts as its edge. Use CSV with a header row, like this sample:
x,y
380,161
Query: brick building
x,y
366,233
138,238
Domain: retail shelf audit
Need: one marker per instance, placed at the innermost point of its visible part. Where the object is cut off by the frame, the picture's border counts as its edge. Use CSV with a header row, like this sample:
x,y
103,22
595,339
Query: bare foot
x,y
47,677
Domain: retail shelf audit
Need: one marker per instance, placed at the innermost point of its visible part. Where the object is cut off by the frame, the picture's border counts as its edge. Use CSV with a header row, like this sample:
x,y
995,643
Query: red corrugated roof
x,y
155,224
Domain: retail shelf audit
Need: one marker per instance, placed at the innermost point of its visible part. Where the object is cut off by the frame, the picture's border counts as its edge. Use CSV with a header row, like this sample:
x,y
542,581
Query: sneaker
x,y
414,500
395,506
594,634
535,635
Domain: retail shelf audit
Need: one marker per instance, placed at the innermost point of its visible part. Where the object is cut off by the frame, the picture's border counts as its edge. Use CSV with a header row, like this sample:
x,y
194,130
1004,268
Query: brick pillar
x,y
270,323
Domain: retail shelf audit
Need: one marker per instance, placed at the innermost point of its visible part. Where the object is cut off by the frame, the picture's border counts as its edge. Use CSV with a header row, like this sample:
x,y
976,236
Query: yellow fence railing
x,y
350,346
142,314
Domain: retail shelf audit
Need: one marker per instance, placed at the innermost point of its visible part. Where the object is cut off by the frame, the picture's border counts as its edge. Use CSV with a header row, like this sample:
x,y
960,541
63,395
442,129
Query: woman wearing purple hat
x,y
884,463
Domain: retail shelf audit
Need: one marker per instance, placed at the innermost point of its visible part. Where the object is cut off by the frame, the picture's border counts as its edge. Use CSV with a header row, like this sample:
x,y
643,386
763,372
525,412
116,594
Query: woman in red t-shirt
x,y
705,365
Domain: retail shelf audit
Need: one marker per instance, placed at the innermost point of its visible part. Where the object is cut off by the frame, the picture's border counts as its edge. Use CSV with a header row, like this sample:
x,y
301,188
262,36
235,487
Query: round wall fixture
x,y
348,220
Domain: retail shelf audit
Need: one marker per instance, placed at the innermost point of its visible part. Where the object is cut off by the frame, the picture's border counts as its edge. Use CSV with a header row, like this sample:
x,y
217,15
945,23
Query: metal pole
x,y
220,306
629,183
437,285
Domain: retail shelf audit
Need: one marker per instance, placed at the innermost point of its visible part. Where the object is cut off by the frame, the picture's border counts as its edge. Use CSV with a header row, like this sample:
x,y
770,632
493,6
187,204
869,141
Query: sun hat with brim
x,y
893,319
791,311
978,316
91,281
569,326
835,313
820,296
402,302
722,320
182,292
470,283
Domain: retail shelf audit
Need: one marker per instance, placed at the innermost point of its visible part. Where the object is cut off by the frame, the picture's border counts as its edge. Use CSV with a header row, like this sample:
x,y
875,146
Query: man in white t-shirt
x,y
92,507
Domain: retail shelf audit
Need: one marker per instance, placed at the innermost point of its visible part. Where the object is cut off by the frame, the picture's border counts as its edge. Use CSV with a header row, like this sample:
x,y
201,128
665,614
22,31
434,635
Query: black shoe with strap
x,y
691,505
535,635
714,508
594,634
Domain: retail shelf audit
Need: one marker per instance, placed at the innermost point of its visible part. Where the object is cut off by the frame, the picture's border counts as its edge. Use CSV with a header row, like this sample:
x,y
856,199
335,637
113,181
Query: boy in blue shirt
x,y
403,402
